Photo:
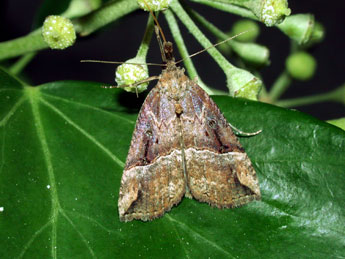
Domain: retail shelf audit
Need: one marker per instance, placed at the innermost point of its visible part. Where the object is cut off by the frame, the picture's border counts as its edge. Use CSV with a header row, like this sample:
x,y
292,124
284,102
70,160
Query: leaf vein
x,y
86,243
12,111
33,97
93,221
32,239
89,107
179,238
86,134
195,233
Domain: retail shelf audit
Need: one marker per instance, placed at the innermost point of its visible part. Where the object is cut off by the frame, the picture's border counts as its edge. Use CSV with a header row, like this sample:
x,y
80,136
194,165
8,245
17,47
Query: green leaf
x,y
62,150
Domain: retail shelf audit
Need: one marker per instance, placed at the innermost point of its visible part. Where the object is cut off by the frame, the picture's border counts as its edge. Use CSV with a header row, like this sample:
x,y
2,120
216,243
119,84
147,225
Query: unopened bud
x,y
129,74
252,53
298,27
317,34
274,12
251,28
244,84
301,65
58,32
154,5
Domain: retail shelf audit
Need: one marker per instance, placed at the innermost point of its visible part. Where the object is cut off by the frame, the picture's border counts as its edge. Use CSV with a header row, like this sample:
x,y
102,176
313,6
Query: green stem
x,y
279,87
144,46
227,7
200,37
337,95
175,31
209,26
236,78
18,67
250,52
108,13
263,95
84,26
22,45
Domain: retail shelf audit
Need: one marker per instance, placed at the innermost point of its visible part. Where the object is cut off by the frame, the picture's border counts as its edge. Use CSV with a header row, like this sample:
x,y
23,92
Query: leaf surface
x,y
62,150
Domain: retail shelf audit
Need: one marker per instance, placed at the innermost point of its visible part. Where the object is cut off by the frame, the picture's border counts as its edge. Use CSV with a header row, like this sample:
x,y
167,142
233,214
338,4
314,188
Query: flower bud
x,y
301,65
317,34
298,27
252,28
58,32
128,74
252,53
244,84
154,5
274,11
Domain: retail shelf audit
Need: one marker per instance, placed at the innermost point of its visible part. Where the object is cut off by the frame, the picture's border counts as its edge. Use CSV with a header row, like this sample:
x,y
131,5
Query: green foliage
x,y
63,147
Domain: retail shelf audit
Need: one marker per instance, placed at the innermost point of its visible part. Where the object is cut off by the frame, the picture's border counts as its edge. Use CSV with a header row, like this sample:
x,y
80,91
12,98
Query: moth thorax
x,y
178,109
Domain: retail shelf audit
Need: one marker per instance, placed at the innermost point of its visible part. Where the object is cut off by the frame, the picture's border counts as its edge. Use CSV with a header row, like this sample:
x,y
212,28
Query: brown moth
x,y
183,146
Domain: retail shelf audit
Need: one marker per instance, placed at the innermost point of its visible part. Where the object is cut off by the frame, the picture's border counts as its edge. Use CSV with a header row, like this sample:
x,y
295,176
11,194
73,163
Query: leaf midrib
x,y
33,96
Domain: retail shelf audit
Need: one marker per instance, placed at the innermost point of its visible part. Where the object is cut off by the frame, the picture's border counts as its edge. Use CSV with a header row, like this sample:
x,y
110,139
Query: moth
x,y
182,145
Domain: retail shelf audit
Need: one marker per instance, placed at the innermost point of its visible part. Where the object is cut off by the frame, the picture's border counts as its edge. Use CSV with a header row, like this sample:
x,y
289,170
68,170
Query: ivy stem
x,y
279,87
227,7
248,51
18,67
175,31
84,26
209,26
22,45
338,95
263,95
108,13
202,39
236,78
144,46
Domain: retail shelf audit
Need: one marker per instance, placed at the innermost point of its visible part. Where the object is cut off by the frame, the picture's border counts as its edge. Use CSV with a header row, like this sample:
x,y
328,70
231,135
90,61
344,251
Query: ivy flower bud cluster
x,y
274,11
130,74
58,32
154,5
270,12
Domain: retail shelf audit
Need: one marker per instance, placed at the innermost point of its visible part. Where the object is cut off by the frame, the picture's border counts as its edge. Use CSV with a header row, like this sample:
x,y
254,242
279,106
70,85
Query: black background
x,y
120,41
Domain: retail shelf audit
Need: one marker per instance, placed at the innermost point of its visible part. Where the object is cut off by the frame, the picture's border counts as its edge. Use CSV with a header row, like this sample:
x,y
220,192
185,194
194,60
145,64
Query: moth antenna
x,y
161,45
214,45
119,62
151,78
248,134
165,47
156,21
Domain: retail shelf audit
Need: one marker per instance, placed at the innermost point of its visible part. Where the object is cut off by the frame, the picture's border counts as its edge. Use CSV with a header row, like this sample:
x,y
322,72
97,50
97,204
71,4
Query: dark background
x,y
119,42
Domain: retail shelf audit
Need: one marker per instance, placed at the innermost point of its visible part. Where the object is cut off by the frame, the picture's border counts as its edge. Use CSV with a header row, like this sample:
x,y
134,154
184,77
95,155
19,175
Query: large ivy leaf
x,y
62,151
